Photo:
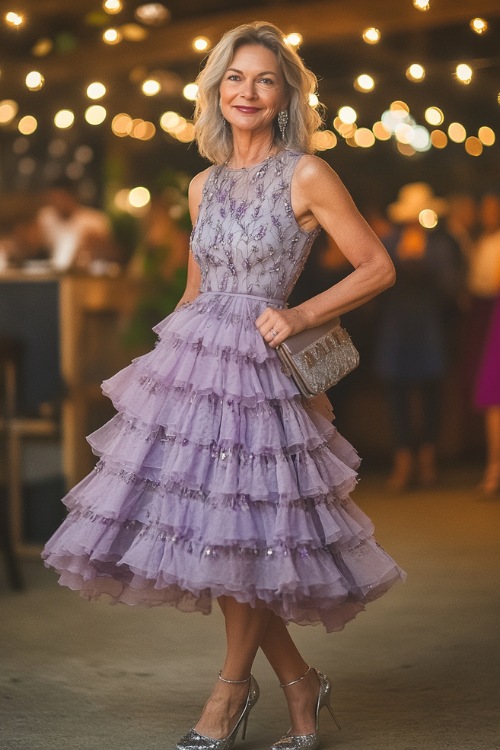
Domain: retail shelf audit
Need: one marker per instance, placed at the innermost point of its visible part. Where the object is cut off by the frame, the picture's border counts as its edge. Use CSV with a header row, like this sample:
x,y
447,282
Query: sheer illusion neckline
x,y
253,166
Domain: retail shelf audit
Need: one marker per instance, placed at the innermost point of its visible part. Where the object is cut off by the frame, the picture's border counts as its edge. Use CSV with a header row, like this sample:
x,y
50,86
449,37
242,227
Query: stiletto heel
x,y
309,741
195,741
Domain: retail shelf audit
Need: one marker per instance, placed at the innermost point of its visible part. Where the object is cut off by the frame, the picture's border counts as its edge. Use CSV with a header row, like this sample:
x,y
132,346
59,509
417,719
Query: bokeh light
x,y
96,90
347,115
64,119
486,135
8,110
463,73
190,91
364,82
294,39
428,218
457,132
439,139
27,125
434,116
112,6
112,36
139,197
201,43
371,35
479,25
415,72
151,87
96,114
473,146
34,80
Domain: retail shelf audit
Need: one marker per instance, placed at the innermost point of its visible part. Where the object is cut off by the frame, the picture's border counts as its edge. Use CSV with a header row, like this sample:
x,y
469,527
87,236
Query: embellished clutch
x,y
317,358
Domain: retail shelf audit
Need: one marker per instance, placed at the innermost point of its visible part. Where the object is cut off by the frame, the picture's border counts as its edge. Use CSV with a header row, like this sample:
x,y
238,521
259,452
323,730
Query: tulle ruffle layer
x,y
215,478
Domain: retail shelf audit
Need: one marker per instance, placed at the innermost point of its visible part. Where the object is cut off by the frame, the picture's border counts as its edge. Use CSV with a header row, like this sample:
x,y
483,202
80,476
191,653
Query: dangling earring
x,y
282,122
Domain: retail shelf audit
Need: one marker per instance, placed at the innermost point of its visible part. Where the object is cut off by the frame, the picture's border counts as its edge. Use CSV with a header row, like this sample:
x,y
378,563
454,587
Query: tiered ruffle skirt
x,y
216,478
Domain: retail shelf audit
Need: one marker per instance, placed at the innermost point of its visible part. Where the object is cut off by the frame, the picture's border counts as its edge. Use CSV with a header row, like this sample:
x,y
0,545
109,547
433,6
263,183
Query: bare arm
x,y
319,197
193,273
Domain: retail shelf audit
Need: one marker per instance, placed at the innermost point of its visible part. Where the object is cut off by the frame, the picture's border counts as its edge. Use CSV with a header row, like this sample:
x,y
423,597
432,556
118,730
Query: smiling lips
x,y
247,110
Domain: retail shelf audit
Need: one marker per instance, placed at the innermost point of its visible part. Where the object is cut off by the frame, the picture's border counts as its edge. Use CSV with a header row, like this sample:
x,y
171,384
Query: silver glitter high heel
x,y
194,741
308,741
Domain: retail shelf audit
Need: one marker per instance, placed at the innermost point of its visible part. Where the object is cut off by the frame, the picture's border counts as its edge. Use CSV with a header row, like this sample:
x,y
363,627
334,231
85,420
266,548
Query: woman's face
x,y
252,90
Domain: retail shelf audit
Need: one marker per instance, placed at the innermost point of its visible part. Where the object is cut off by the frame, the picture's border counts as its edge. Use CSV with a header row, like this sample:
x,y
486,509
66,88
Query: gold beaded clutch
x,y
317,358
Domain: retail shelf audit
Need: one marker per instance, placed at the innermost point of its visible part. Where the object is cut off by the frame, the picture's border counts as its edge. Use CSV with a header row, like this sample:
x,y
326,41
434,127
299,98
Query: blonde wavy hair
x,y
213,134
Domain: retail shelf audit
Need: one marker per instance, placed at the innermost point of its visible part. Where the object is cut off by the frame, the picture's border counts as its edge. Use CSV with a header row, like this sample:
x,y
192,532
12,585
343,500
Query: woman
x,y
216,479
411,349
487,398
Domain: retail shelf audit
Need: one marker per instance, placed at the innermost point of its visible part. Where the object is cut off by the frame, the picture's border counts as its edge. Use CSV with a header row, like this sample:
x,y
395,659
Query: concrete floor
x,y
419,669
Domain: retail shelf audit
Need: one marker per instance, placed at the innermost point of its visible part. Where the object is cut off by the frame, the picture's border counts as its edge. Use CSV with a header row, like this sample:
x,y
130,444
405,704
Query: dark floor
x,y
419,670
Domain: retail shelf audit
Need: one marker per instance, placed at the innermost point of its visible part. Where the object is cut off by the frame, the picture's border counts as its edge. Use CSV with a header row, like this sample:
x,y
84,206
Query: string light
x,y
486,135
464,73
313,101
112,36
64,119
139,197
27,125
96,90
121,125
428,218
34,80
479,25
8,110
347,115
415,72
439,139
434,116
371,35
201,43
364,138
112,6
95,114
14,19
457,132
422,4
151,87
169,120
473,146
190,91
364,83
294,39
380,131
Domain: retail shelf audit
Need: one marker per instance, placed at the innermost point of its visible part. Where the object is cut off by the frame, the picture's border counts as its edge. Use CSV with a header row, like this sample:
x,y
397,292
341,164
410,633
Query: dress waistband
x,y
271,300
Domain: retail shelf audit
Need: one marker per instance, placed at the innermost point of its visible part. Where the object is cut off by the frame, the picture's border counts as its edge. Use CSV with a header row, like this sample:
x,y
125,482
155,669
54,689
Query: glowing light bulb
x,y
371,35
27,125
294,39
457,132
347,115
428,218
112,36
415,72
464,73
479,25
14,19
201,43
434,116
364,82
96,90
139,197
34,80
96,114
190,91
486,135
151,87
64,119
112,6
8,110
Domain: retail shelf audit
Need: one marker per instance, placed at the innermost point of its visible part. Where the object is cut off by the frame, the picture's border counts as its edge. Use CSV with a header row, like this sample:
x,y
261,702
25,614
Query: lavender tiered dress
x,y
215,477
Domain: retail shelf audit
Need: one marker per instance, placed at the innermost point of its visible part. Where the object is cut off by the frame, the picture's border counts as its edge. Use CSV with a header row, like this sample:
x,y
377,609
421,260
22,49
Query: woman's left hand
x,y
277,325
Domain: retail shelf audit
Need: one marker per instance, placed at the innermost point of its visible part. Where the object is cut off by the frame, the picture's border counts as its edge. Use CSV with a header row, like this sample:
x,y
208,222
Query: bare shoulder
x,y
312,168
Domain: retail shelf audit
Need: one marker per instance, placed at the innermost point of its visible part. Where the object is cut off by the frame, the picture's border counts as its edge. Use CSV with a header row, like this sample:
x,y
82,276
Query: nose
x,y
248,89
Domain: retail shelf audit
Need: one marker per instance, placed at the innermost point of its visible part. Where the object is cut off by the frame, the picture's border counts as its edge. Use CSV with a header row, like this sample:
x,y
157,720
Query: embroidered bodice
x,y
246,239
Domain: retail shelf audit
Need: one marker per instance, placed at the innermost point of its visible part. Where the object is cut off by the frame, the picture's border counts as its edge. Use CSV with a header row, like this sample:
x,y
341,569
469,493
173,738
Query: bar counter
x,y
70,328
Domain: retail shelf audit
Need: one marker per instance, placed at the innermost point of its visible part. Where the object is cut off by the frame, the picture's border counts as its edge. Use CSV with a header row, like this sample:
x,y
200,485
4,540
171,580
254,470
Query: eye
x,y
267,81
233,77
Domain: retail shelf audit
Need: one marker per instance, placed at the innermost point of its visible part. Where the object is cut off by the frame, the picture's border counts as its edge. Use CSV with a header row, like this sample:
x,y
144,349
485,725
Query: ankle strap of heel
x,y
233,682
293,682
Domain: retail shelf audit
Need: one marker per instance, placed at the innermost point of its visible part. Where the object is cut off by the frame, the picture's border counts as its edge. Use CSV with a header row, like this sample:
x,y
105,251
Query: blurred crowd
x,y
443,312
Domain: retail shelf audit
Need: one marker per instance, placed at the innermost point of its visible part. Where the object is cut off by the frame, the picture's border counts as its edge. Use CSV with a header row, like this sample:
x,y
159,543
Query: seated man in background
x,y
76,236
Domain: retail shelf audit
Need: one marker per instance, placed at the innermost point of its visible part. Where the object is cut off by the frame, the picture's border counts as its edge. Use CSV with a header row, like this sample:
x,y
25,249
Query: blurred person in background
x,y
76,236
483,285
411,348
